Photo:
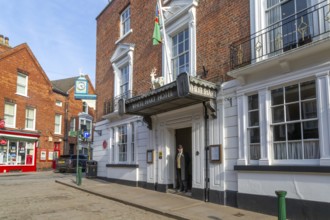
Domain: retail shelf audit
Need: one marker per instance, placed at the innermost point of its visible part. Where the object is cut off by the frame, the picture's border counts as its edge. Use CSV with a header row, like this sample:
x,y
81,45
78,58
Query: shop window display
x,y
17,153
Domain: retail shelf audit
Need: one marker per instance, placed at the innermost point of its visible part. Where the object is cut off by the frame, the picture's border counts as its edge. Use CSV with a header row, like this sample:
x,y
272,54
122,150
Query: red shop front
x,y
18,151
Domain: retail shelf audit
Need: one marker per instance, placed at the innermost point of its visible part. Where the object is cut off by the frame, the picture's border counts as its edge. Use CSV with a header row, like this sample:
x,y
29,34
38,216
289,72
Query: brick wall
x,y
39,94
219,23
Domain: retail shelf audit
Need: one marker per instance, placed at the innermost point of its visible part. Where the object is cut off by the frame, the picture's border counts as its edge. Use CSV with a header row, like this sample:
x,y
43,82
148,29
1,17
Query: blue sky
x,y
60,33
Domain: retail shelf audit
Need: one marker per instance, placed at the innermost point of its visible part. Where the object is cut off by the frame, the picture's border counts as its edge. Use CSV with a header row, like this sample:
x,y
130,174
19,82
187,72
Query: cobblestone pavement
x,y
36,196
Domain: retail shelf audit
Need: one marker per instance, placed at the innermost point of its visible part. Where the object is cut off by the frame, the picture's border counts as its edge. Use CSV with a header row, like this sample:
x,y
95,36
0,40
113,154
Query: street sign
x,y
86,134
73,133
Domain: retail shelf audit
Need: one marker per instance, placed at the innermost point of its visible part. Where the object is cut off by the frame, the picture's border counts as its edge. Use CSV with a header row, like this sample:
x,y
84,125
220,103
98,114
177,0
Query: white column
x,y
264,128
242,144
323,102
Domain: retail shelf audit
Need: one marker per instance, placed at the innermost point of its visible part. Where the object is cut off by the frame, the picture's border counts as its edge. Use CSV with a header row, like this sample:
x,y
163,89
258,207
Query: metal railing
x,y
111,105
306,26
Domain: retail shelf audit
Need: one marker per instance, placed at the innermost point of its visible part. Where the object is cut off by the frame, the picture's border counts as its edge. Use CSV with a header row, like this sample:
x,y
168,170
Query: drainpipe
x,y
206,132
66,128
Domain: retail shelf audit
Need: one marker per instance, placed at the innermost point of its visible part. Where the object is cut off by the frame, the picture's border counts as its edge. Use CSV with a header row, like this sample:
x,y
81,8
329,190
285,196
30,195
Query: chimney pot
x,y
7,41
1,39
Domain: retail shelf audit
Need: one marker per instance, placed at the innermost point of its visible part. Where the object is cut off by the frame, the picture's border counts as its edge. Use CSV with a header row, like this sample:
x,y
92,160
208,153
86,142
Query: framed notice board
x,y
216,153
150,156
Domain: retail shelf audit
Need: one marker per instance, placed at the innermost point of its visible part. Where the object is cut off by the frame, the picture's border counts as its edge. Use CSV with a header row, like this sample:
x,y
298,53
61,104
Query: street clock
x,y
81,85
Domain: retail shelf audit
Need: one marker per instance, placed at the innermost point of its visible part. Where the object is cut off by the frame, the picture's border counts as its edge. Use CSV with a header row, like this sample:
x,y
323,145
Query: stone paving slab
x,y
167,204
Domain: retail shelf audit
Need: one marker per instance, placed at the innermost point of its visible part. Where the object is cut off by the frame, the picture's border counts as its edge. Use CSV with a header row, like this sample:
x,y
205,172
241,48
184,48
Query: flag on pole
x,y
156,37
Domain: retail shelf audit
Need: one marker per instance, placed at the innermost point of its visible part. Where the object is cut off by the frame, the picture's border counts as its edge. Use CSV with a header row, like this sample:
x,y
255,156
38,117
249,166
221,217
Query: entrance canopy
x,y
183,92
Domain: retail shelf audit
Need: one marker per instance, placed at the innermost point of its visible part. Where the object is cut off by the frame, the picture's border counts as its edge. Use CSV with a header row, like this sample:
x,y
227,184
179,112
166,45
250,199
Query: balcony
x,y
111,105
301,35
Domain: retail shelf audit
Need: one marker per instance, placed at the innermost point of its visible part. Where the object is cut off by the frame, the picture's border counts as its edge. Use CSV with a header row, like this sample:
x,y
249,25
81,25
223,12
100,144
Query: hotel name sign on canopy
x,y
81,89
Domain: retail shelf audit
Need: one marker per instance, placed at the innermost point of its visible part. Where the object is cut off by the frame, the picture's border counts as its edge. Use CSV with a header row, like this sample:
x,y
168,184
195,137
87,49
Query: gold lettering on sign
x,y
202,91
152,100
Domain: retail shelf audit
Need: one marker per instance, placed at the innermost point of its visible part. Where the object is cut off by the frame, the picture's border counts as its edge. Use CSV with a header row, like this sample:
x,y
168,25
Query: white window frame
x,y
130,153
122,57
265,117
31,119
23,85
186,19
124,80
132,141
177,55
251,127
13,116
58,125
73,124
125,21
59,103
287,122
122,155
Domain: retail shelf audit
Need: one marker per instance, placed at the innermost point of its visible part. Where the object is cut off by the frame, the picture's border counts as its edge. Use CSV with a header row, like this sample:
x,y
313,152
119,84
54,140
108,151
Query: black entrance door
x,y
183,137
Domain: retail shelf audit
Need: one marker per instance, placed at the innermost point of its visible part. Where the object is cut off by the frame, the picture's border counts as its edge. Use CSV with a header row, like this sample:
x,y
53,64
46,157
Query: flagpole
x,y
168,59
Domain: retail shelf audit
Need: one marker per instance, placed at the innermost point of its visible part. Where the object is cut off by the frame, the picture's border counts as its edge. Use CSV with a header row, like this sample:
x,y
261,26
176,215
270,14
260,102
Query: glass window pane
x,y
295,150
279,132
20,89
280,151
181,47
181,36
309,109
254,118
311,150
253,102
310,130
308,90
292,112
254,135
294,131
291,93
277,96
21,79
255,151
21,153
9,109
278,114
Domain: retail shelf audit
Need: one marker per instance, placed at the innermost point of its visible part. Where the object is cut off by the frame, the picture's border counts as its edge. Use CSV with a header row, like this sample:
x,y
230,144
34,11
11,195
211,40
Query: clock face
x,y
81,85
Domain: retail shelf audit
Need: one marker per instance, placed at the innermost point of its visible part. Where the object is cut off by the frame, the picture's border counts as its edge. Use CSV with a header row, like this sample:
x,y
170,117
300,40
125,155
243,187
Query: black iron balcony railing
x,y
309,25
111,105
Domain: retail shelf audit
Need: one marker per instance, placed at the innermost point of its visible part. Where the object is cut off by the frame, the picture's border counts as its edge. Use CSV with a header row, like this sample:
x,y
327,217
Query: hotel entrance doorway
x,y
183,137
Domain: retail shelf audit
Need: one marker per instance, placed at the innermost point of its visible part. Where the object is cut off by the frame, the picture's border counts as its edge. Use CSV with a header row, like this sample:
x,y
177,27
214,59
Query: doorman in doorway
x,y
182,161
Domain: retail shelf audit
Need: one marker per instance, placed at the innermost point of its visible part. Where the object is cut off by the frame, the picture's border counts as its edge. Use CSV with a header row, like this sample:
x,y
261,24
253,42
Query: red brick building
x,y
152,98
76,112
33,116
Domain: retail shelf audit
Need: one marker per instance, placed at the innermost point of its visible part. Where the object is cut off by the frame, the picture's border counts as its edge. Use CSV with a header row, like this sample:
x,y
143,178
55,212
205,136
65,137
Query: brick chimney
x,y
7,41
4,43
